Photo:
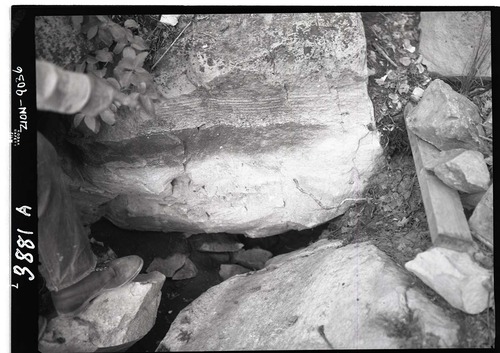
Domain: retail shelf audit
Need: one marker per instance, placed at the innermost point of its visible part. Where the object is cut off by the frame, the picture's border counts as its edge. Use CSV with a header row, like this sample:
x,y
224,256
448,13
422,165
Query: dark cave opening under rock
x,y
177,294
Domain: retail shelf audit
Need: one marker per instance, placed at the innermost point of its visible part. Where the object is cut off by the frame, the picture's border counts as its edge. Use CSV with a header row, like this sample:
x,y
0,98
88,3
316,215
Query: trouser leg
x,y
63,246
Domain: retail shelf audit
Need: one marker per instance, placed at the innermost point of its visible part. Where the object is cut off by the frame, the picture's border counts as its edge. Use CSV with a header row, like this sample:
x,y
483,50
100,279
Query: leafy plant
x,y
119,60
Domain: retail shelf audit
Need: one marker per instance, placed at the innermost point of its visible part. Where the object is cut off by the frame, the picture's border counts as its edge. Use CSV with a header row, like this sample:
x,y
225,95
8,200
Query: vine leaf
x,y
92,32
104,55
131,24
119,47
78,119
139,43
108,116
128,52
92,123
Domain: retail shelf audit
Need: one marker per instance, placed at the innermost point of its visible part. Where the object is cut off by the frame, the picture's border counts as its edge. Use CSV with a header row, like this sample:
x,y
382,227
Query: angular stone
x,y
463,170
446,119
114,318
317,298
454,276
448,41
252,105
252,258
218,242
481,221
169,265
229,270
187,271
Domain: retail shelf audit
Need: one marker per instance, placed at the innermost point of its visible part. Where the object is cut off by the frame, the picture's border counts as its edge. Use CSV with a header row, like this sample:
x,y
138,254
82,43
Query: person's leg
x,y
67,261
63,246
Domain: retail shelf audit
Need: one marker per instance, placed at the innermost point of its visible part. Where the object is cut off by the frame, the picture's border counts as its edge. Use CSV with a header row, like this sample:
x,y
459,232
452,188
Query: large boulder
x,y
262,128
319,297
450,40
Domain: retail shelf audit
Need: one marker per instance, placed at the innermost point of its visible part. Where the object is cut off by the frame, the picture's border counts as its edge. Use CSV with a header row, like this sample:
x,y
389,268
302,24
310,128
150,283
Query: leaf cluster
x,y
119,60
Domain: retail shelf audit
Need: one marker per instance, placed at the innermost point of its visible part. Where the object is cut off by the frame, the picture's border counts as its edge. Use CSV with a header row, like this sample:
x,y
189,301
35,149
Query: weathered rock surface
x,y
112,319
356,294
262,129
229,270
169,265
448,41
215,242
454,276
446,119
462,170
481,221
252,258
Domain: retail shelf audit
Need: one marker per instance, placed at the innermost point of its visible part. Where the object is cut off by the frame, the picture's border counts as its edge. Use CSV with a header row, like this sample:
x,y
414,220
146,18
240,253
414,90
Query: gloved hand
x,y
102,94
69,92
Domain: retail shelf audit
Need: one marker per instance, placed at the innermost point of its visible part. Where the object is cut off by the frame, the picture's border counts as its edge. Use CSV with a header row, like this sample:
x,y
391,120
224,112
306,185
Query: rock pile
x,y
448,143
223,248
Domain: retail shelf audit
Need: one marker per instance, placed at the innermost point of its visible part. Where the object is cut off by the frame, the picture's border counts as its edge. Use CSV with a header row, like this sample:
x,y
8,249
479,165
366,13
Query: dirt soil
x,y
392,215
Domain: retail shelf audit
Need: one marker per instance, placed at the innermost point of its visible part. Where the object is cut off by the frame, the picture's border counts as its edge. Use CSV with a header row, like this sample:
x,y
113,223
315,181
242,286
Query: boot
x,y
74,299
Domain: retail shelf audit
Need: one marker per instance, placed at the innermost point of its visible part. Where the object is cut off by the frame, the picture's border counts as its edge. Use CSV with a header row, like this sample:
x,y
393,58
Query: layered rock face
x,y
262,128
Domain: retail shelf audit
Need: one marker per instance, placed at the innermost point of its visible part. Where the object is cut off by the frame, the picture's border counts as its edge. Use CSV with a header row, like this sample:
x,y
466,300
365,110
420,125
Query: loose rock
x,y
315,298
454,276
215,242
252,258
229,270
169,265
481,221
114,318
446,119
463,170
187,271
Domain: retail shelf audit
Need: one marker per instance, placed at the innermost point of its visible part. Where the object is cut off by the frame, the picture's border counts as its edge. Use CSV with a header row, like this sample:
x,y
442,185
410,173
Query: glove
x,y
69,92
